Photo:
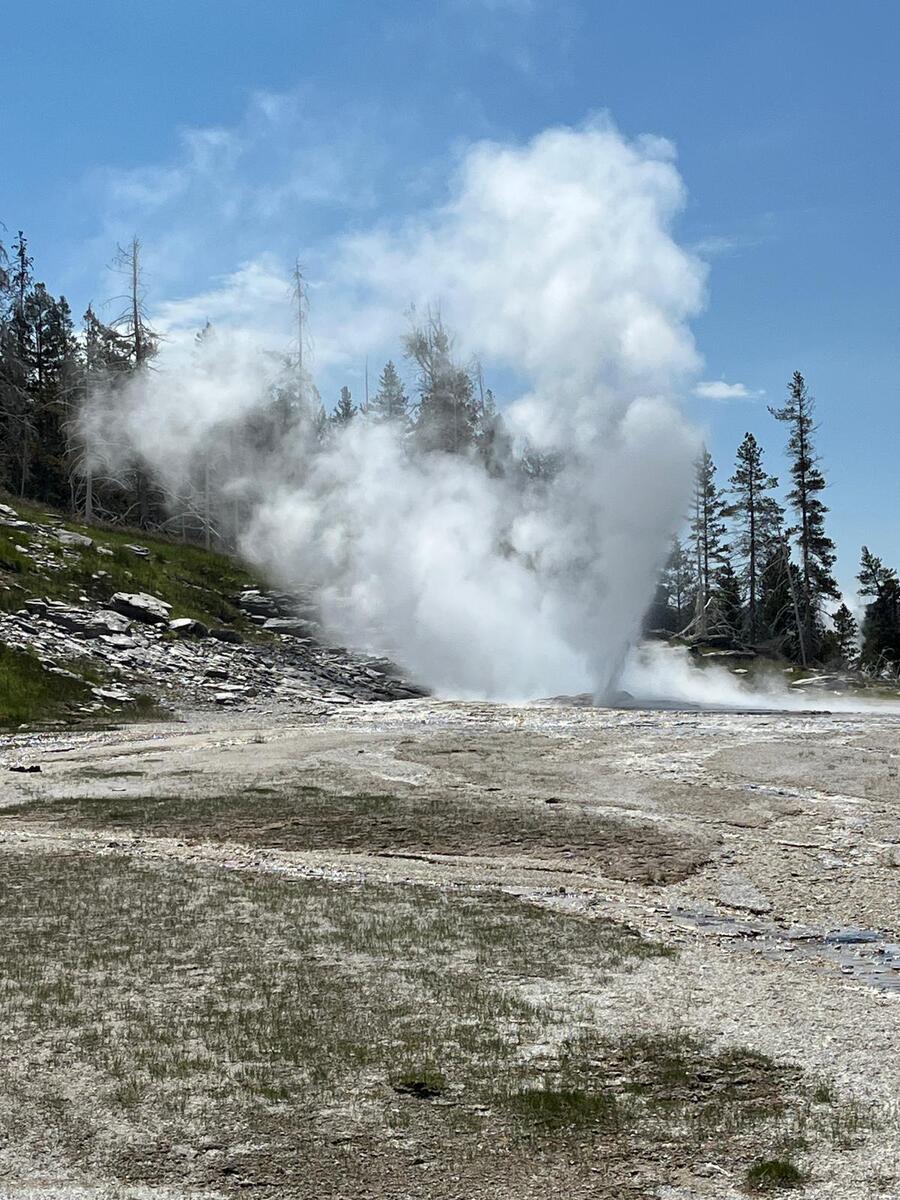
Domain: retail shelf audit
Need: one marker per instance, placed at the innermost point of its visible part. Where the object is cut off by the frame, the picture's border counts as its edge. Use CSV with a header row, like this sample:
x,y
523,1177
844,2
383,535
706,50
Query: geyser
x,y
554,262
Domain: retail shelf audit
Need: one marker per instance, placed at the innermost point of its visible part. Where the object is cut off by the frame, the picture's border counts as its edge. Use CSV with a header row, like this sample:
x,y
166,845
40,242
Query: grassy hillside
x,y
35,563
196,582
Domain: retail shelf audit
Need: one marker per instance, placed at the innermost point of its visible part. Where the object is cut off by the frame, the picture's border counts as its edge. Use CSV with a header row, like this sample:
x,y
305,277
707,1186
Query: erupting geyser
x,y
554,262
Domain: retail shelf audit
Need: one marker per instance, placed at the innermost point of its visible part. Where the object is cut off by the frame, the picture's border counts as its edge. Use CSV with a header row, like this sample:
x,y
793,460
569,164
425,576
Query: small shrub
x,y
773,1175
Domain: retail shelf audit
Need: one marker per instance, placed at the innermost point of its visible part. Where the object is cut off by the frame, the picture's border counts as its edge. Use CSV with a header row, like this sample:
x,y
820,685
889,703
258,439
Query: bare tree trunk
x,y
207,516
794,601
88,492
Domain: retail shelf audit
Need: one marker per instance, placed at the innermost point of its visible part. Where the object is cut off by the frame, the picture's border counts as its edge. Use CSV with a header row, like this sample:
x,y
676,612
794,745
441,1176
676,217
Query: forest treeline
x,y
752,569
757,570
52,373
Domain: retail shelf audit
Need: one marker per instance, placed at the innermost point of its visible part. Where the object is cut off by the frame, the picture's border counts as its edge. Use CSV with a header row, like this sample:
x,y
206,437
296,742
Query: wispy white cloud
x,y
288,173
231,208
715,245
718,389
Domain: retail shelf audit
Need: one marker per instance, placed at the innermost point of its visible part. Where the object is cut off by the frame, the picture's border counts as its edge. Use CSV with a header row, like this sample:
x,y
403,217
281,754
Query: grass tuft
x,y
568,1108
774,1175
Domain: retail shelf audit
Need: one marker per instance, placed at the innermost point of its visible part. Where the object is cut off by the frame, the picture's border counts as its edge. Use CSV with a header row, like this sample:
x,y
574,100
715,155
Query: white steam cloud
x,y
556,261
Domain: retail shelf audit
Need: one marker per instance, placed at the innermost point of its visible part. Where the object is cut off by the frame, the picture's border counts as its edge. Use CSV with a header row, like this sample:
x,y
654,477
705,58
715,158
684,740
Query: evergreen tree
x,y
707,536
758,518
816,550
446,417
779,592
53,388
881,624
345,410
390,402
678,583
492,437
728,601
537,466
659,617
105,362
16,363
846,634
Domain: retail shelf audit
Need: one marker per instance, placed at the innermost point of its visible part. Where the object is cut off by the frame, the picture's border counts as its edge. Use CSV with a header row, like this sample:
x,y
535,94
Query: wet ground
x,y
761,850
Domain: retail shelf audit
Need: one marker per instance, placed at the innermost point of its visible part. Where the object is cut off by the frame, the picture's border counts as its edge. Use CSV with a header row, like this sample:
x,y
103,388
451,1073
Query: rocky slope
x,y
137,618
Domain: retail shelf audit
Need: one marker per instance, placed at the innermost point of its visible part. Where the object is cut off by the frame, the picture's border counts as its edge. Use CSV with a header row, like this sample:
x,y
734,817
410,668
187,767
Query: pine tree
x,y
881,624
492,439
846,634
816,550
678,582
345,410
758,517
16,365
53,387
779,591
446,417
707,536
728,601
390,402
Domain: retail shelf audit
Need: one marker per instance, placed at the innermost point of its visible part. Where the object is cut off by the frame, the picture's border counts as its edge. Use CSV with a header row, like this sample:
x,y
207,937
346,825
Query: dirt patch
x,y
310,818
836,770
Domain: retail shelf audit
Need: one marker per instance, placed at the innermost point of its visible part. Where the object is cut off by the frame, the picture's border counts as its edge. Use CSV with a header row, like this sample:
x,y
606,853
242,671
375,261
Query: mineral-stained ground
x,y
432,949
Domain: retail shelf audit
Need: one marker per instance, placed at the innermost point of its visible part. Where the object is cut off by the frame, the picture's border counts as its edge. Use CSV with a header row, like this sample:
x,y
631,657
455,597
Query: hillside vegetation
x,y
39,561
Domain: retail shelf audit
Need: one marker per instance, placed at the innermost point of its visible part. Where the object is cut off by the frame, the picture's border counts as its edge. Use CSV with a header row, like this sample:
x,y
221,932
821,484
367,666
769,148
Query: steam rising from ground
x,y
657,673
556,261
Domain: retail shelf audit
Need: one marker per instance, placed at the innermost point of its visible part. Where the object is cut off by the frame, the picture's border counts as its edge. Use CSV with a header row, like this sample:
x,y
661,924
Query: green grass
x,y
196,1001
33,694
177,1006
29,692
565,1109
194,582
197,583
774,1175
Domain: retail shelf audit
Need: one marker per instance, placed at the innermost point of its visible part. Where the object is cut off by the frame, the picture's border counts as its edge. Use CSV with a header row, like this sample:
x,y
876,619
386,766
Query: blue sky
x,y
240,131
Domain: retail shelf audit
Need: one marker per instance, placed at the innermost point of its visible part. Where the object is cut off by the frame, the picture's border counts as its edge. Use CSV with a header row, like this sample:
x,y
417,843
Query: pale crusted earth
x,y
779,820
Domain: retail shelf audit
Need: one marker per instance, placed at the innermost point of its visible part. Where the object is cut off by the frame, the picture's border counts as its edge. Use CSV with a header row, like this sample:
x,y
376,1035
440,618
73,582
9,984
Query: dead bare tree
x,y
143,343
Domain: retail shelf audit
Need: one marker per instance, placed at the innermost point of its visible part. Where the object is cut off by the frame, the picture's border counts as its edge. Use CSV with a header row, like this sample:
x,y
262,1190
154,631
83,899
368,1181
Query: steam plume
x,y
554,261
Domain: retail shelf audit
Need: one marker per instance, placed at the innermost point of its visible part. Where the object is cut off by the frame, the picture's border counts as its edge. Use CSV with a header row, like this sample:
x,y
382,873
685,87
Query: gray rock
x,y
112,695
295,626
118,641
226,635
66,537
106,621
141,607
83,622
140,551
737,891
69,619
187,627
255,602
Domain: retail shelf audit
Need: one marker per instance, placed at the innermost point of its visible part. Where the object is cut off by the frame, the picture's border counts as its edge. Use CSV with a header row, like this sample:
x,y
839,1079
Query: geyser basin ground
x,y
434,949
